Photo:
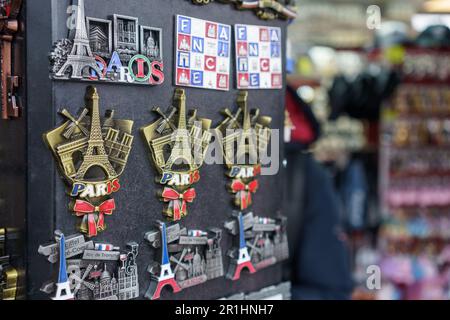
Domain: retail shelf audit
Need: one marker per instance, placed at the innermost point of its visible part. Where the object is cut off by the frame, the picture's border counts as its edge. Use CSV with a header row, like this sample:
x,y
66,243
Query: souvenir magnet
x,y
259,58
188,258
91,156
202,54
250,132
94,271
262,243
240,258
178,147
92,55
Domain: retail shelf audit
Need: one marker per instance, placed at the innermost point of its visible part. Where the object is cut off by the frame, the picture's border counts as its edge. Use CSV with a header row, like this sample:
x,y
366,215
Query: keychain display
x,y
415,181
188,258
203,51
91,156
250,132
91,271
259,57
262,243
178,143
132,54
264,9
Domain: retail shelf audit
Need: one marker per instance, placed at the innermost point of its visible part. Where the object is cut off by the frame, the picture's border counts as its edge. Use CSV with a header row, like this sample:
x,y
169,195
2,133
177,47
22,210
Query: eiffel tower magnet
x,y
90,54
178,144
246,135
91,156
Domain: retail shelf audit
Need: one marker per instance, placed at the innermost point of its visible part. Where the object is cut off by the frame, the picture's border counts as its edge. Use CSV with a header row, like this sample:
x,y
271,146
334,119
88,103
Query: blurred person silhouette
x,y
319,267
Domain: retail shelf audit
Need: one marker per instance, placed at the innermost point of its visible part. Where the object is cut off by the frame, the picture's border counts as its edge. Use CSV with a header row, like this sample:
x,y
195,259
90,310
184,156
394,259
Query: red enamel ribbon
x,y
244,192
178,201
84,208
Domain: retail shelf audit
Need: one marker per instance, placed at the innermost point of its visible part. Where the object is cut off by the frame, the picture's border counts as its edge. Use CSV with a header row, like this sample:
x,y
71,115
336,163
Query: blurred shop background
x,y
368,149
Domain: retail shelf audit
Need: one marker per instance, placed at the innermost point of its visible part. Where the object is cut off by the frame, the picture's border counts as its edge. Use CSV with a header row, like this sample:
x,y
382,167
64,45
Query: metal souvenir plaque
x,y
112,51
264,9
178,144
91,156
91,271
262,243
246,137
188,258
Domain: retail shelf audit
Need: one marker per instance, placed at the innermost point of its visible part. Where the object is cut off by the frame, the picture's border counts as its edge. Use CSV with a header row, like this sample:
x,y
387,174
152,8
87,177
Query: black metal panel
x,y
137,205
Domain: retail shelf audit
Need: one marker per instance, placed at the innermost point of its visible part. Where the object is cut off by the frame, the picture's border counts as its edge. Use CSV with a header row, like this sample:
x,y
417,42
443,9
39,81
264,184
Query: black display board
x,y
137,205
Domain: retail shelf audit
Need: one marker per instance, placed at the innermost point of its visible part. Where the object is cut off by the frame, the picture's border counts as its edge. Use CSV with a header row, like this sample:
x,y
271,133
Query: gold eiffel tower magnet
x,y
91,156
178,143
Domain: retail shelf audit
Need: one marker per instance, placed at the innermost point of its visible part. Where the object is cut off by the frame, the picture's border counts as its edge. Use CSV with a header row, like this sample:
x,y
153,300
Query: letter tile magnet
x,y
245,138
91,156
187,258
178,143
134,57
262,243
91,271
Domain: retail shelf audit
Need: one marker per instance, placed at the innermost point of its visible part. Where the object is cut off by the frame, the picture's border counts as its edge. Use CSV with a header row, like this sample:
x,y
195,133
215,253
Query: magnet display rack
x,y
46,204
415,179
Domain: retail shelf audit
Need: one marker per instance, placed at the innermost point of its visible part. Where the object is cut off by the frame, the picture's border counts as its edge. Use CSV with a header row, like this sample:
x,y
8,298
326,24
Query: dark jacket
x,y
320,266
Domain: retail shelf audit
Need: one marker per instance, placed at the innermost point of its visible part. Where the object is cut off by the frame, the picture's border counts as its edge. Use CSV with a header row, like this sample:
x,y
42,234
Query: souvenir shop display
x,y
91,271
8,274
178,143
259,57
10,28
264,9
262,243
415,181
203,52
250,132
116,51
91,157
188,258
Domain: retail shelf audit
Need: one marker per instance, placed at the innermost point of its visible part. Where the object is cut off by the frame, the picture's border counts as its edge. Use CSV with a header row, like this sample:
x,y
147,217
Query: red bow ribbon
x,y
244,192
178,201
84,208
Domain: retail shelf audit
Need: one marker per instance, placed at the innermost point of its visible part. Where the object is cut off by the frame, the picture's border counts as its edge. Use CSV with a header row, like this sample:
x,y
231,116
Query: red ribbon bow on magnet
x,y
178,201
84,208
244,192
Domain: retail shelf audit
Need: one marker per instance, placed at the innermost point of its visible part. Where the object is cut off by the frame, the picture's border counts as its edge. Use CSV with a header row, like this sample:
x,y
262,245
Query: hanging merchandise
x,y
259,57
178,144
415,180
91,271
135,55
250,132
91,158
262,243
188,258
10,27
264,9
203,50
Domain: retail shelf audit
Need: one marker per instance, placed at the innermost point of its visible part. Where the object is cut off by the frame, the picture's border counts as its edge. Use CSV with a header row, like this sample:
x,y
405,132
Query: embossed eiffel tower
x,y
182,150
96,154
81,56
